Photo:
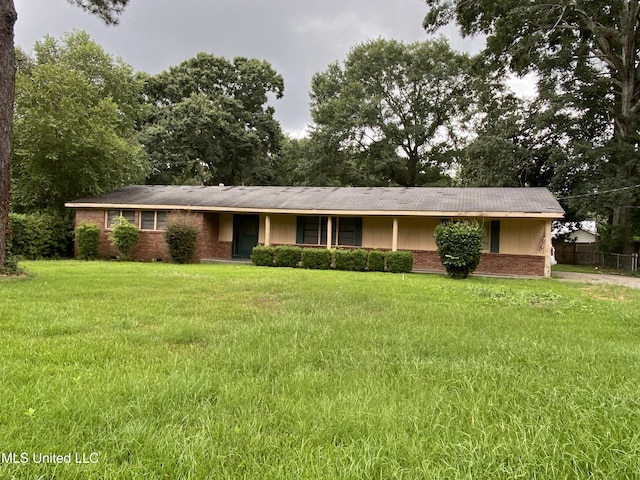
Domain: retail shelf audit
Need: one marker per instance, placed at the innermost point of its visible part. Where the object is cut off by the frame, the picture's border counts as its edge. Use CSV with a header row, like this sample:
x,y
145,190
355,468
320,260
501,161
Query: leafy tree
x,y
74,125
108,10
585,55
392,112
210,121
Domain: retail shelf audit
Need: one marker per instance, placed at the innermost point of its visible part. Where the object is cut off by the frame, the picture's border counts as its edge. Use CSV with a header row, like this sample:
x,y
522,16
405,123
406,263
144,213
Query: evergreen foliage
x,y
182,238
400,261
88,240
262,256
124,237
38,235
285,256
352,260
376,261
459,247
316,258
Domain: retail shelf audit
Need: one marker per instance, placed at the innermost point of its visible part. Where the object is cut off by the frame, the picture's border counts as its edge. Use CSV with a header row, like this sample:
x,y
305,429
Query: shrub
x,y
88,240
459,247
316,258
353,260
182,238
376,261
400,261
11,266
263,256
287,256
124,237
38,235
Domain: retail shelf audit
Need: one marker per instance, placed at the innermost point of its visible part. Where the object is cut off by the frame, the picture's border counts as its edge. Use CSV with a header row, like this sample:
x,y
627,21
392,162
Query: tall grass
x,y
224,371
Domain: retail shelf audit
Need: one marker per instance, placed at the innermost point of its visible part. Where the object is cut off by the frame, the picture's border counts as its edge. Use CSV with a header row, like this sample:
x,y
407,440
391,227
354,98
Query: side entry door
x,y
245,235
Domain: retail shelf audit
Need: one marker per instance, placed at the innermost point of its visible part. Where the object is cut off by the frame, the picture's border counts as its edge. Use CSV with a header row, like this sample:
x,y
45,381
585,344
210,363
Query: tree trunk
x,y
8,17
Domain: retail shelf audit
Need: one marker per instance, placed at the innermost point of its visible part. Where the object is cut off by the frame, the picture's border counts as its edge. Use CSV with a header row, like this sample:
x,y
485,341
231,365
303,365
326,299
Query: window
x,y
113,215
345,231
153,220
491,241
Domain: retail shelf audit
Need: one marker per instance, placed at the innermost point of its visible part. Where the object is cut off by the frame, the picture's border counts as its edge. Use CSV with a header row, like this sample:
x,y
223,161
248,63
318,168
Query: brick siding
x,y
491,263
152,246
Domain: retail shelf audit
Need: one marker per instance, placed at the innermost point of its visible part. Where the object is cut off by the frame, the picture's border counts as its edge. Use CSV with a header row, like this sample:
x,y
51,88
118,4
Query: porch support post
x,y
329,231
267,230
547,249
394,239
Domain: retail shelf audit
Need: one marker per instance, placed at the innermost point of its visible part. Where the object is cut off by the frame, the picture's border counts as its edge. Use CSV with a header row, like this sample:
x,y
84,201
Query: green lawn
x,y
225,371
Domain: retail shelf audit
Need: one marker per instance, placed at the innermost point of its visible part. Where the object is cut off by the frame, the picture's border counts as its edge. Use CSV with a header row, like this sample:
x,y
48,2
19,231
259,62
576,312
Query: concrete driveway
x,y
632,282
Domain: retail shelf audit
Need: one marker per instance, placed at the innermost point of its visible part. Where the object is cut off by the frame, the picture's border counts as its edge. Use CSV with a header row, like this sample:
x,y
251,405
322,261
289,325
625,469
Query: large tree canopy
x,y
108,10
210,121
585,55
391,113
74,124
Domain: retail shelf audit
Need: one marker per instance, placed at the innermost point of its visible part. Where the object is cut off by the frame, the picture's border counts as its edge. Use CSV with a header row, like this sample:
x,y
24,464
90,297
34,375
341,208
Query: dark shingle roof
x,y
382,200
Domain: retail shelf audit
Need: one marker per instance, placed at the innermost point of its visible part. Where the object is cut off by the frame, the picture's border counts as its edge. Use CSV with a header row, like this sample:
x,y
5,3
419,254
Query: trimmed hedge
x,y
341,259
376,261
287,256
352,260
400,261
263,256
88,240
316,258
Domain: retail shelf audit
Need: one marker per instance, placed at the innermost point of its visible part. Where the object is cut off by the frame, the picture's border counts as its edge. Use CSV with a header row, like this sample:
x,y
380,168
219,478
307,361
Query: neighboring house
x,y
585,233
575,243
232,220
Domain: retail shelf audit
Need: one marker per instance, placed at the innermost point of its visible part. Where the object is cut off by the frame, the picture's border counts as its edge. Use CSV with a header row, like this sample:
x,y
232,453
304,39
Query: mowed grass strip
x,y
226,371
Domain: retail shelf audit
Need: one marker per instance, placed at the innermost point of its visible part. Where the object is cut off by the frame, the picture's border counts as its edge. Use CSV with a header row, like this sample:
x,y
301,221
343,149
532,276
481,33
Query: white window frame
x,y
120,214
155,220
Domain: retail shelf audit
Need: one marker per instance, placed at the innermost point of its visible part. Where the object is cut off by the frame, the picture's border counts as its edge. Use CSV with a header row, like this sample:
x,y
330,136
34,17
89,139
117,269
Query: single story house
x,y
232,220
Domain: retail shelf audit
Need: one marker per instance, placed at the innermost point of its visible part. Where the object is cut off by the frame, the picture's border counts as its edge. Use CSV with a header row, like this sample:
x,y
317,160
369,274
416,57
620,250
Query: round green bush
x,y
459,247
124,237
88,241
182,238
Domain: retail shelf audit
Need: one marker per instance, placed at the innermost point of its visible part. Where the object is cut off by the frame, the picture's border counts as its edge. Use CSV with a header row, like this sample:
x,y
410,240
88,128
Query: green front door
x,y
245,235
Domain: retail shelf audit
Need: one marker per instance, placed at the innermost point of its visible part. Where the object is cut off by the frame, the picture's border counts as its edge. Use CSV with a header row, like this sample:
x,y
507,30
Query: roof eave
x,y
297,211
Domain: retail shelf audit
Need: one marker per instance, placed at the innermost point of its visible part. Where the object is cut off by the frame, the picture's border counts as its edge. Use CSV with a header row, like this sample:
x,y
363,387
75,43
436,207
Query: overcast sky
x,y
299,38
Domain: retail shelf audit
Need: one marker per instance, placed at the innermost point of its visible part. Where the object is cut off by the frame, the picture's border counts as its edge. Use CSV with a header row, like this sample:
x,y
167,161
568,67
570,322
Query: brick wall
x,y
491,263
528,265
153,246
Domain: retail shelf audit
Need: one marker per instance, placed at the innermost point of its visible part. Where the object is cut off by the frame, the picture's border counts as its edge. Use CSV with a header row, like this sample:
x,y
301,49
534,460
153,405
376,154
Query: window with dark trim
x,y
495,236
345,231
492,236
